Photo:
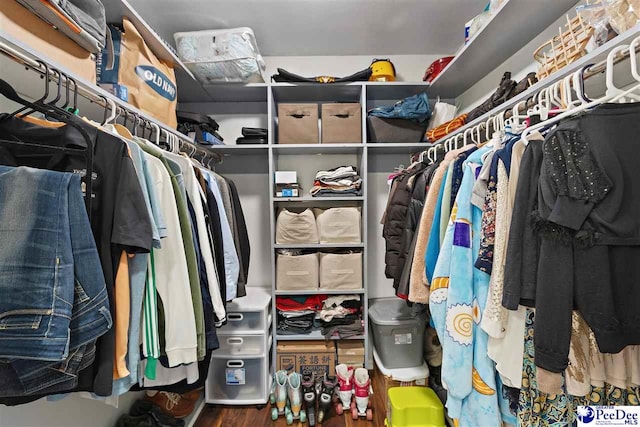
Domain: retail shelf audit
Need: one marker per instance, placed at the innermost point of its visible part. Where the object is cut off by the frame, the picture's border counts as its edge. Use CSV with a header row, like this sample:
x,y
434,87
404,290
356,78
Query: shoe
x,y
295,397
139,421
145,407
310,396
326,397
362,387
345,387
173,404
435,382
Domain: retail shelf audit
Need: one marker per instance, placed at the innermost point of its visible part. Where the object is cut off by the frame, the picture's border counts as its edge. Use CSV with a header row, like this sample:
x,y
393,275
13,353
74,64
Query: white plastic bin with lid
x,y
221,56
398,332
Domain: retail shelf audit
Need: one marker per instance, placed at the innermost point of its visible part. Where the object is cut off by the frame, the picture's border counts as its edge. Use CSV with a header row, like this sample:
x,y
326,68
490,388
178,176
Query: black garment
x,y
589,223
242,236
418,187
395,219
215,227
119,216
520,274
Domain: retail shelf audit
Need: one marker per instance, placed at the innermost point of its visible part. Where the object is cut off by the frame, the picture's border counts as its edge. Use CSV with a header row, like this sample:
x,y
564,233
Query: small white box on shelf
x,y
286,177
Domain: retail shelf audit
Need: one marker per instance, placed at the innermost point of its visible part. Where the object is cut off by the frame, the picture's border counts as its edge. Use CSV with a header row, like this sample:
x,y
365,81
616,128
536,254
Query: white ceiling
x,y
323,27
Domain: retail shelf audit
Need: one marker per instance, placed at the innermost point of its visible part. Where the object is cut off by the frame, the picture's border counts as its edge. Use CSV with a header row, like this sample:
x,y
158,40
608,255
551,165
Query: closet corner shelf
x,y
593,57
311,199
314,335
319,246
384,91
318,148
117,9
515,23
321,292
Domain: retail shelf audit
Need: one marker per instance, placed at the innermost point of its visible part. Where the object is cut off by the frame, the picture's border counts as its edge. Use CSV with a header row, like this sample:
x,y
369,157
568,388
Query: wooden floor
x,y
250,416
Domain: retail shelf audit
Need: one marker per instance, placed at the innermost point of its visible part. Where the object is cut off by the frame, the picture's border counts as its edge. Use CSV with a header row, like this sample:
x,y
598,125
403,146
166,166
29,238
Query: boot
x,y
279,395
309,391
145,407
294,411
362,388
345,387
326,397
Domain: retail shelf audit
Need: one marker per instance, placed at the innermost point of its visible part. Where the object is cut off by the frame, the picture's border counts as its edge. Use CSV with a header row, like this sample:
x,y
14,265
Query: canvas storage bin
x,y
341,271
394,130
297,272
341,123
298,124
296,228
339,225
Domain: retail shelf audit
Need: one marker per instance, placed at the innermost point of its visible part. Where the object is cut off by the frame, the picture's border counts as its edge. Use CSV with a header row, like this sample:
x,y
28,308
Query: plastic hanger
x,y
633,58
612,90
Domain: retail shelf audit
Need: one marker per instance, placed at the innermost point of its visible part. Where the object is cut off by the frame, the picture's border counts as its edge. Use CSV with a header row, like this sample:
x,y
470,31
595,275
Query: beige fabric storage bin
x,y
341,123
296,228
297,272
341,271
298,124
339,225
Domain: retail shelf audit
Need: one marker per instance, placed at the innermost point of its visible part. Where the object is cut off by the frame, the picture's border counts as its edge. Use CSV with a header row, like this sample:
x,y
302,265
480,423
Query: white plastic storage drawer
x,y
252,322
236,380
241,345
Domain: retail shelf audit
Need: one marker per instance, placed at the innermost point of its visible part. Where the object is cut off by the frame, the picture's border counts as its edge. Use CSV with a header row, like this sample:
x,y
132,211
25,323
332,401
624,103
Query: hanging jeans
x,y
53,299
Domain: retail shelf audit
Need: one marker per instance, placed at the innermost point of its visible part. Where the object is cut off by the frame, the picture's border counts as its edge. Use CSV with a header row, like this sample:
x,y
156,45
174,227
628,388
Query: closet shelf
x,y
515,23
593,57
314,335
25,54
318,148
311,199
319,246
385,91
322,292
396,148
242,149
117,9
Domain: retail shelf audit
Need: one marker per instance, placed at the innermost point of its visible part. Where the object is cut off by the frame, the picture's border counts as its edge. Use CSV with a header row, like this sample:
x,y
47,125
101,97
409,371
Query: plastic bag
x,y
595,16
622,14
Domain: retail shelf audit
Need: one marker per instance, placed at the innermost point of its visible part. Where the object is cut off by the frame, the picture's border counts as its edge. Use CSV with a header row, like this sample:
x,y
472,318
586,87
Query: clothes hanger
x,y
612,90
610,96
31,148
122,129
633,58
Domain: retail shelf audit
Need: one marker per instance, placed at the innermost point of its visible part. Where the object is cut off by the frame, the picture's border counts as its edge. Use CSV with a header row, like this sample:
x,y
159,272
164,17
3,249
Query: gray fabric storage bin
x,y
398,333
394,130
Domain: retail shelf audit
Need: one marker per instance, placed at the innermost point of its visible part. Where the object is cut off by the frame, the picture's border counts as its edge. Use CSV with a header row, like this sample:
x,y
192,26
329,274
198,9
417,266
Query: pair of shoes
x,y
356,384
173,404
286,394
320,391
143,413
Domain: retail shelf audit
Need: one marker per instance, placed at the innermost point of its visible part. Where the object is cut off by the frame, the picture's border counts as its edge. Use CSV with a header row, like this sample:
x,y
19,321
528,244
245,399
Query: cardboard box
x,y
286,177
318,357
351,353
49,43
341,123
298,124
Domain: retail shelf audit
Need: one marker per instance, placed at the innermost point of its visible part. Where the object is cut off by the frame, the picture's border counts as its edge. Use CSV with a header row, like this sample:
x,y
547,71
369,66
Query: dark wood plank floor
x,y
250,416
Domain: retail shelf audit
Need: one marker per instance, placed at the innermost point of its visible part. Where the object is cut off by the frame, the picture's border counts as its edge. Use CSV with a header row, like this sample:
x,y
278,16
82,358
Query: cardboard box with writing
x,y
318,357
351,353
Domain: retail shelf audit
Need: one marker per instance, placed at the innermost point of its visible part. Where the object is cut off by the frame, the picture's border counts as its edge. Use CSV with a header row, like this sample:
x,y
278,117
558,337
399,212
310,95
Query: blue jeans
x,y
53,297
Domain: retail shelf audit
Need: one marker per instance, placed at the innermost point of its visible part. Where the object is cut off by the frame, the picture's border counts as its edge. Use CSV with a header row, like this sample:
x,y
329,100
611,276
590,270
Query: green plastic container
x,y
414,407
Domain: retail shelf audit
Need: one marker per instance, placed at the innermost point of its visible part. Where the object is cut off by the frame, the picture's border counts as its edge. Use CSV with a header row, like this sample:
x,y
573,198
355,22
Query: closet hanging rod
x,y
90,93
592,71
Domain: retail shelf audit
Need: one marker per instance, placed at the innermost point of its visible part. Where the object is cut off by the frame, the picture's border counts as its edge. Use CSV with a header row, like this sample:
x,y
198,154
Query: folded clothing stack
x,y
339,315
340,181
296,314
